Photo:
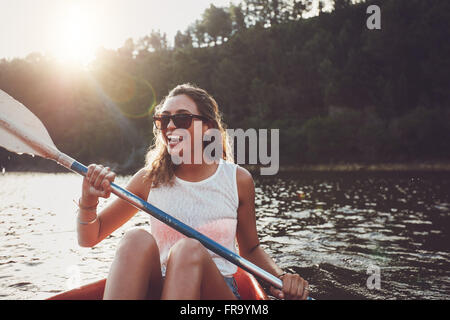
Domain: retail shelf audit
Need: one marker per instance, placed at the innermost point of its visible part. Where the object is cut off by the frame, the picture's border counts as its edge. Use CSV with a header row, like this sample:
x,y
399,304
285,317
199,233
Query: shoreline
x,y
338,167
360,167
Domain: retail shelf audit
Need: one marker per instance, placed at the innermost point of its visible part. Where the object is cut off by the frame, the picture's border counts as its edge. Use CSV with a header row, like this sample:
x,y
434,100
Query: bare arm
x,y
115,214
247,236
249,248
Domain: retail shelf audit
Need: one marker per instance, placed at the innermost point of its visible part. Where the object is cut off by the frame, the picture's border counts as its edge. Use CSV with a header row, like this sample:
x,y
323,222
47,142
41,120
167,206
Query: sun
x,y
77,35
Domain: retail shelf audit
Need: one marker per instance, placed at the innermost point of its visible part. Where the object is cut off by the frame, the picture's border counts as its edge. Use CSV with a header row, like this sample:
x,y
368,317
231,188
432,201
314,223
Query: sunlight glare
x,y
78,36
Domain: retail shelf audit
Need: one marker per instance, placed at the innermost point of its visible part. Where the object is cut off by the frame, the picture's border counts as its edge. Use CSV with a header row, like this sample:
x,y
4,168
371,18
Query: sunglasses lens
x,y
182,121
161,122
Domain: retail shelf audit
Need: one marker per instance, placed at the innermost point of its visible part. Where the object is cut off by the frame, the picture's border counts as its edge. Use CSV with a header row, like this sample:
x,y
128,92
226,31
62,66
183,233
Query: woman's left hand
x,y
294,288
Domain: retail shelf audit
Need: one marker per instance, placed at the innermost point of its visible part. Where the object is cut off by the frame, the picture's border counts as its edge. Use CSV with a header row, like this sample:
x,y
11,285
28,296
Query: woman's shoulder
x,y
244,181
140,183
141,175
243,176
241,172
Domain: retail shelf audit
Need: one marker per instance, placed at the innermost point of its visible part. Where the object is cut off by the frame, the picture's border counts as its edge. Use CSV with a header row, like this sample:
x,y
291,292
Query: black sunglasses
x,y
181,120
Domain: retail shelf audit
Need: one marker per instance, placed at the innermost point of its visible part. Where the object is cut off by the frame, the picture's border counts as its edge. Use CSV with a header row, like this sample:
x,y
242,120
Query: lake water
x,y
340,231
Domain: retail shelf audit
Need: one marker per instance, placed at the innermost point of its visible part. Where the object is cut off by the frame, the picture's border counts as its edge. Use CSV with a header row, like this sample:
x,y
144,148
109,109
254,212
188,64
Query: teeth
x,y
175,138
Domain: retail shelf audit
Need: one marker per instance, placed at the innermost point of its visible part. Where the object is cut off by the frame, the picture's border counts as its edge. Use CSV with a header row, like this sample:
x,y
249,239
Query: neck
x,y
195,171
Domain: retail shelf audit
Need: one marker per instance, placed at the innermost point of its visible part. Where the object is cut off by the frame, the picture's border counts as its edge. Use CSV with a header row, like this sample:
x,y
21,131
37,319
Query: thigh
x,y
136,271
156,282
191,265
214,286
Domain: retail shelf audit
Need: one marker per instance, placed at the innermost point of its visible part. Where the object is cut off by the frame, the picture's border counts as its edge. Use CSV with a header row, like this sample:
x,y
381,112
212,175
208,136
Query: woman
x,y
214,197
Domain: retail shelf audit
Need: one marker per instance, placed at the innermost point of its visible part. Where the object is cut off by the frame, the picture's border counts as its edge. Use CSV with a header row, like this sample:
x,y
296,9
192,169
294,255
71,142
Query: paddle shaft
x,y
176,224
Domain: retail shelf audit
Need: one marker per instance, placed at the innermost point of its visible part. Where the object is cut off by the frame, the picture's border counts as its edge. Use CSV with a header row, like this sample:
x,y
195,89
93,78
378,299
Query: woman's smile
x,y
173,140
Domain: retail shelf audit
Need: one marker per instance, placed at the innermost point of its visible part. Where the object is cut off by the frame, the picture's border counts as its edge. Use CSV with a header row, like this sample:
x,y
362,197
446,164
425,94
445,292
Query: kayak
x,y
248,287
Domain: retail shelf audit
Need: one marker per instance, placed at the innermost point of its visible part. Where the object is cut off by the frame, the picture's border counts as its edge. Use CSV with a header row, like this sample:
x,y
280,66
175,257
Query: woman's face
x,y
178,139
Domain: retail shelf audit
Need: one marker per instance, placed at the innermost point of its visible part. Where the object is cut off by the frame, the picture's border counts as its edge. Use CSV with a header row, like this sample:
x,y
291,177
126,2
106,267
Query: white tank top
x,y
209,206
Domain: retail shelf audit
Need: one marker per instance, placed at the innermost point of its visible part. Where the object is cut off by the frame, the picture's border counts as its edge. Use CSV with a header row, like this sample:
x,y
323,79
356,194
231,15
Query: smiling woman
x,y
78,35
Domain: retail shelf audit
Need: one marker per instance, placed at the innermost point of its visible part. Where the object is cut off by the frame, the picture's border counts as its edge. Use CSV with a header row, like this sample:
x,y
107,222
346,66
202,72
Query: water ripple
x,y
330,228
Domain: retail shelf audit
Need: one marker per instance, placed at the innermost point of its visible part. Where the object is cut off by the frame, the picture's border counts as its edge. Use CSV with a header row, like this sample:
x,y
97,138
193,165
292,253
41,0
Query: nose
x,y
171,125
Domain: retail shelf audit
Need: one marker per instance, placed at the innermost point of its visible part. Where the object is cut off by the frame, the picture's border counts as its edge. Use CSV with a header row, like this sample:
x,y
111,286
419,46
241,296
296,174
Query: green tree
x,y
197,30
336,90
127,49
341,4
237,17
182,40
217,23
273,12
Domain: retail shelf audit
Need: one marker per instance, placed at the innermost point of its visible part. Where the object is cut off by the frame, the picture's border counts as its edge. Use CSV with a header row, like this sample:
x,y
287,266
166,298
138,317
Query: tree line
x,y
337,91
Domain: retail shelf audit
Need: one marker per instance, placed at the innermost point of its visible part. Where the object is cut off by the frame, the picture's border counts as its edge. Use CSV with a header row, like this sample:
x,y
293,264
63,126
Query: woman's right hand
x,y
96,183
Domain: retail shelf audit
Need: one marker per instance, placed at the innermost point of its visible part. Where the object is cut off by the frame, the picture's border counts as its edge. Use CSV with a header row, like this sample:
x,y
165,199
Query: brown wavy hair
x,y
158,163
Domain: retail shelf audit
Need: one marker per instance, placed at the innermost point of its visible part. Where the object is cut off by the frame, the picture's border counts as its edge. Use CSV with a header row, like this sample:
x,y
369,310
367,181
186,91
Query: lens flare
x,y
130,93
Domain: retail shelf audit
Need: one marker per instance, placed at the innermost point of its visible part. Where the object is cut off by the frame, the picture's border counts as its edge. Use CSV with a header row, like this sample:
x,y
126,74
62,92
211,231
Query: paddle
x,y
22,132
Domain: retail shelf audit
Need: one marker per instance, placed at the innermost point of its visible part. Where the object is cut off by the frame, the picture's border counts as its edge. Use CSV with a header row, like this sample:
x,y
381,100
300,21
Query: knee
x,y
188,251
137,243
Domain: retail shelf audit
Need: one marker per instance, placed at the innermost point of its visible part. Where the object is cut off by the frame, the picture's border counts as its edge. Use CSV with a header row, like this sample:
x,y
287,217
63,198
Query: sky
x,y
73,29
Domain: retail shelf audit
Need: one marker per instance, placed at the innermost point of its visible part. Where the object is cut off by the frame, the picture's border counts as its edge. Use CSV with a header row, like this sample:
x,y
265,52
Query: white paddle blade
x,y
20,130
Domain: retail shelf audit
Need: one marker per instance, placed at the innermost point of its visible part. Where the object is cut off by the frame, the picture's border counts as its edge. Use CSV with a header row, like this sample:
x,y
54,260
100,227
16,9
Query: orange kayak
x,y
248,287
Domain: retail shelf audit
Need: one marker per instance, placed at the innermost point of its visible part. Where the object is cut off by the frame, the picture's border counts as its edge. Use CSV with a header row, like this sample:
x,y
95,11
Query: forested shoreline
x,y
337,91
